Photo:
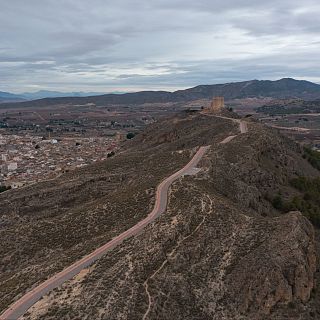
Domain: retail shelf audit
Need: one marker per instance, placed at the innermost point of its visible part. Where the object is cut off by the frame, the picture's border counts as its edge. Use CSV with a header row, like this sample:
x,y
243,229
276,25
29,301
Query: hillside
x,y
284,88
290,106
221,250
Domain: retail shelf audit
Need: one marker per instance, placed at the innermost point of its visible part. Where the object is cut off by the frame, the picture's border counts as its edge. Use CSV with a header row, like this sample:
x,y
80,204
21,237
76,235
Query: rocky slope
x,y
47,226
219,252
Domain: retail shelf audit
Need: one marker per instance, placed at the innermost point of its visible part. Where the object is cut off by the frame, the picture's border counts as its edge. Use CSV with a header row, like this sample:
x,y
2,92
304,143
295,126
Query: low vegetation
x,y
130,135
308,202
4,188
313,157
291,106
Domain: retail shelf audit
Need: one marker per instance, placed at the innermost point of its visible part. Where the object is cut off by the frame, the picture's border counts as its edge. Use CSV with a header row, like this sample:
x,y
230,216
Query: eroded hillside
x,y
221,251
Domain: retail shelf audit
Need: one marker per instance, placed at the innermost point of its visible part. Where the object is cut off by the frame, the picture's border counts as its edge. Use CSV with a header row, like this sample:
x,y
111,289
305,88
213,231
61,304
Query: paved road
x,y
243,125
30,298
227,139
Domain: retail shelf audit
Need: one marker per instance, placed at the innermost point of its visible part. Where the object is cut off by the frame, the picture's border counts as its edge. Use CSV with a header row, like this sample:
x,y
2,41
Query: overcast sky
x,y
127,45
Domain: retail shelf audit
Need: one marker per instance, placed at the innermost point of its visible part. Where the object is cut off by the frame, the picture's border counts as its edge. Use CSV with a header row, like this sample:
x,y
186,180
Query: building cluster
x,y
29,159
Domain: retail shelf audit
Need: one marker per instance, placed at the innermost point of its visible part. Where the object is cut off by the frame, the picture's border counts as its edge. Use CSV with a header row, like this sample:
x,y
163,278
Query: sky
x,y
131,45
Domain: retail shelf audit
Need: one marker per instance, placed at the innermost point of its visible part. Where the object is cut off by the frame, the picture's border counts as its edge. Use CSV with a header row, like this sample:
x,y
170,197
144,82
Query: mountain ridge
x,y
41,94
283,88
10,97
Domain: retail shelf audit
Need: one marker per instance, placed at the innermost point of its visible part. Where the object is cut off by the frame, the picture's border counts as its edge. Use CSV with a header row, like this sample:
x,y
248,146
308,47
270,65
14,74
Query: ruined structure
x,y
217,104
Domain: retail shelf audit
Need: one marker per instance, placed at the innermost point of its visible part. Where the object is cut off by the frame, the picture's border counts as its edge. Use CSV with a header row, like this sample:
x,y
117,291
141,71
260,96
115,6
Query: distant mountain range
x,y
56,94
280,89
10,97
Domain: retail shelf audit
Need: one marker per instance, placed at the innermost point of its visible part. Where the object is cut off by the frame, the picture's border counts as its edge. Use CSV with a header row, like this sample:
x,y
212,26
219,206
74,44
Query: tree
x,y
277,202
130,135
4,188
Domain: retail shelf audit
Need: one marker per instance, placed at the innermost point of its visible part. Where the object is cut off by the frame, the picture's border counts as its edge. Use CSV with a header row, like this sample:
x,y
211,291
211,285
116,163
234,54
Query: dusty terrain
x,y
51,224
221,251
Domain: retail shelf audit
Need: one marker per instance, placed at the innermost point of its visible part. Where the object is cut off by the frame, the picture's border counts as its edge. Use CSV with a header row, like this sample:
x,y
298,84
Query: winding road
x,y
17,309
21,306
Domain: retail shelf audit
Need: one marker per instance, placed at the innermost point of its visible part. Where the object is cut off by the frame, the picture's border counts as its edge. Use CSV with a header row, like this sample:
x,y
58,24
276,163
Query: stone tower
x,y
217,104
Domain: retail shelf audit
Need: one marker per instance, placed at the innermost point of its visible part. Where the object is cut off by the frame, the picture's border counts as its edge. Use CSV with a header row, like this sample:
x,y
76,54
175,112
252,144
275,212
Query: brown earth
x,y
219,252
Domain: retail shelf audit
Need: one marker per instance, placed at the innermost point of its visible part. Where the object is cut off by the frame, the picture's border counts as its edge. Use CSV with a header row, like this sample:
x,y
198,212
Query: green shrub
x,y
308,202
277,202
313,157
4,188
130,135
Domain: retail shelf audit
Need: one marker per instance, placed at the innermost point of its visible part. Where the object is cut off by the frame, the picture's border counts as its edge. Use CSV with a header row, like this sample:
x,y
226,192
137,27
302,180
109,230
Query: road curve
x,y
20,307
243,125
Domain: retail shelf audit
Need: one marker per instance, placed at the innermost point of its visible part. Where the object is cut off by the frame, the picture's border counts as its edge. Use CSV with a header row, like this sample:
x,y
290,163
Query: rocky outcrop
x,y
256,165
203,259
278,271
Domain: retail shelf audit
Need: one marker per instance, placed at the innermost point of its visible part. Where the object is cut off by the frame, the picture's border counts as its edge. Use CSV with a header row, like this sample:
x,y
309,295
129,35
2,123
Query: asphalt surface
x,y
20,307
243,126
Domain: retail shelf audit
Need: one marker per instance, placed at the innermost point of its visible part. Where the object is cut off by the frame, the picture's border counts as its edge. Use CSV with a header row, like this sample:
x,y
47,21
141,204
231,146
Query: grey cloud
x,y
132,44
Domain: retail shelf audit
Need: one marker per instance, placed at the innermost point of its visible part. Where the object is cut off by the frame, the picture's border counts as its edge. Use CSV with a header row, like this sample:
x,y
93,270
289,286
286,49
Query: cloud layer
x,y
128,45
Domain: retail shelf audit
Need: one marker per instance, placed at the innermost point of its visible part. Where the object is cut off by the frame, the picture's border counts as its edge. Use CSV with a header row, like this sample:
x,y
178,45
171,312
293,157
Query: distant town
x,y
29,159
41,144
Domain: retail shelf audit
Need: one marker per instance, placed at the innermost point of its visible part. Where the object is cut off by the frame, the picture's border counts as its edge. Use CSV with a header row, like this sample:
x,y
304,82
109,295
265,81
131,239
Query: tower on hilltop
x,y
217,104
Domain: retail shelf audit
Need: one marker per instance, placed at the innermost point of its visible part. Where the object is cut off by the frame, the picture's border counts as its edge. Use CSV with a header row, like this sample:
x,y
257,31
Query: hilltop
x,y
281,89
222,250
